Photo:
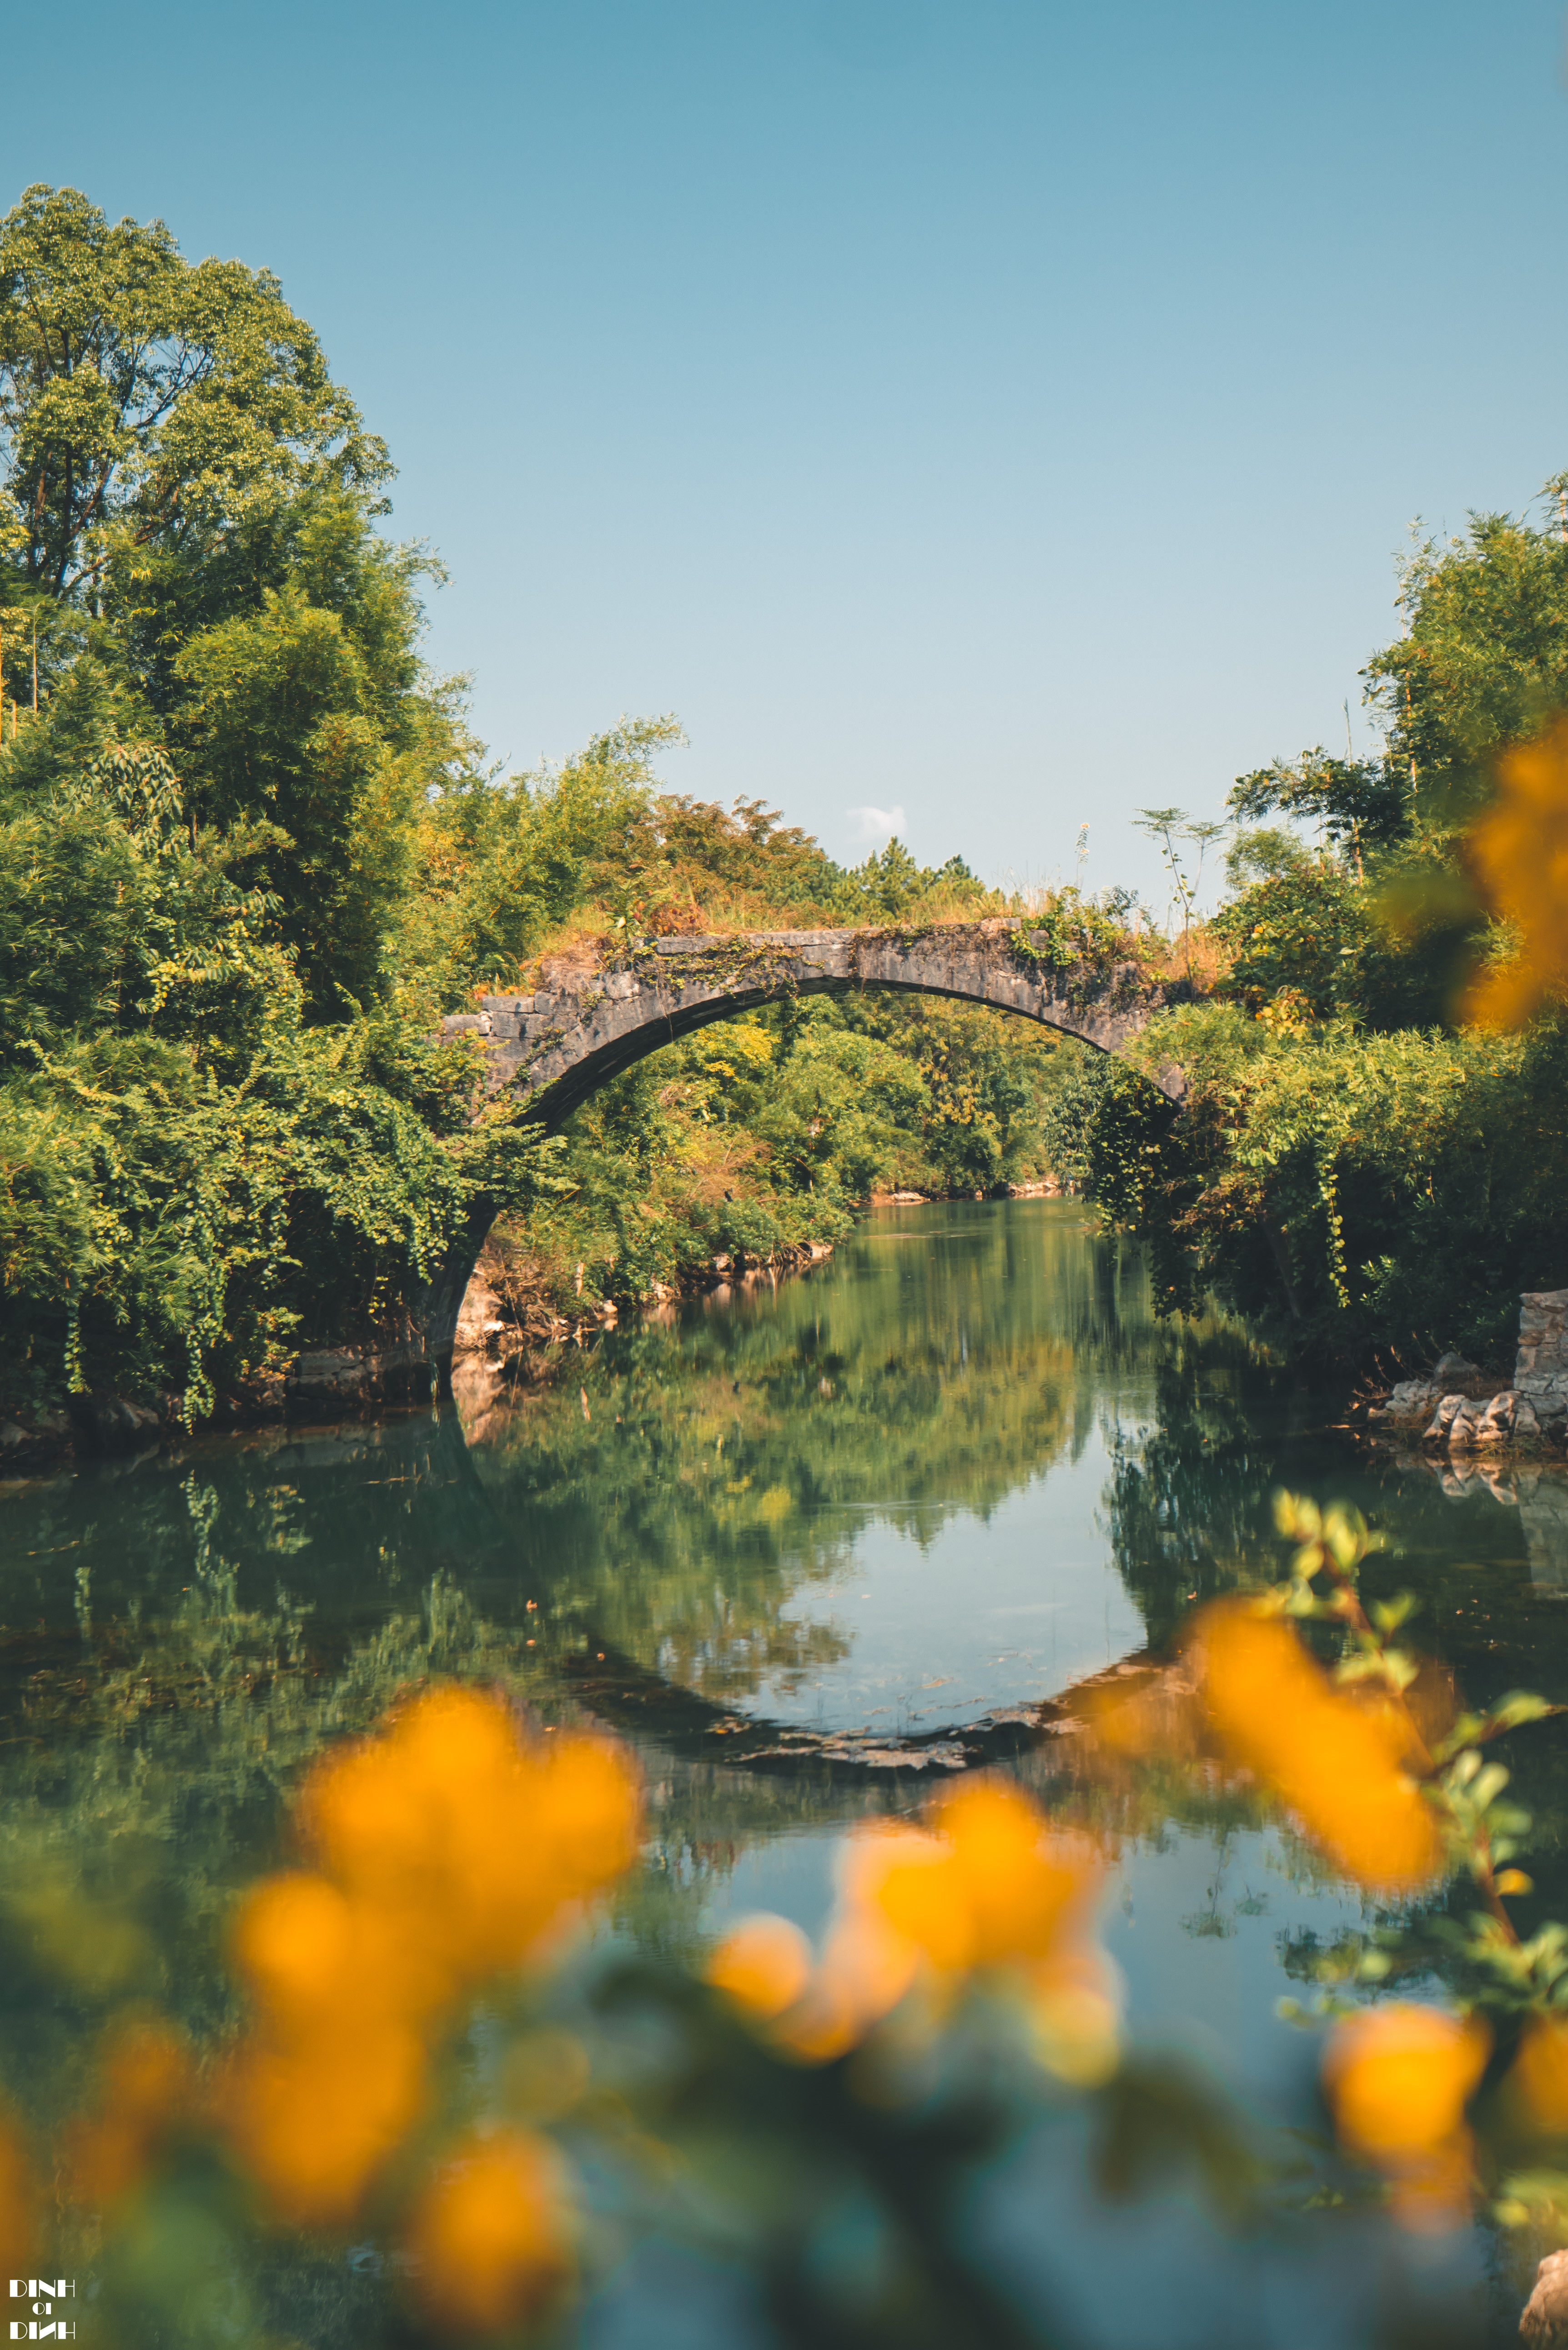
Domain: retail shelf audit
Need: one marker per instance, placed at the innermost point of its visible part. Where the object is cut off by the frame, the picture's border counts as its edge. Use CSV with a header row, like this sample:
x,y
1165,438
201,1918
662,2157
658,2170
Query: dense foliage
x,y
249,852
218,728
1363,1192
1354,1164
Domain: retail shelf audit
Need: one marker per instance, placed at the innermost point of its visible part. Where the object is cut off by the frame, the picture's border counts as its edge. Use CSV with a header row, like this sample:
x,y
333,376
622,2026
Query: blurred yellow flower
x,y
451,1821
148,2089
1519,848
1398,2079
1332,1757
488,2239
866,1971
984,1888
451,1849
316,2117
1026,1890
1539,2073
763,1965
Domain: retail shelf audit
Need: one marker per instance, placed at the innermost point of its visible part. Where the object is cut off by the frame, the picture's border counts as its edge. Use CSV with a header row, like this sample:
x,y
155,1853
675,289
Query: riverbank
x,y
510,1307
513,1313
1455,1410
508,1330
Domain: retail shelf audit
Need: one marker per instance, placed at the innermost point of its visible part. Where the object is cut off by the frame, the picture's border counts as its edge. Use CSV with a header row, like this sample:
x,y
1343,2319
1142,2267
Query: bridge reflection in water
x,y
968,1408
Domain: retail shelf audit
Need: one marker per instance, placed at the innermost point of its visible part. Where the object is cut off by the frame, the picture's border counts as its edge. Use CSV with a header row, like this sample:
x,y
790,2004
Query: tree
x,y
1355,803
194,543
892,886
502,862
1483,662
283,750
1299,941
142,396
1262,853
747,848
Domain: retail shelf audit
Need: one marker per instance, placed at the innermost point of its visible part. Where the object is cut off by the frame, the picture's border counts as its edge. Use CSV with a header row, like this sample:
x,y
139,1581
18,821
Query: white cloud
x,y
874,826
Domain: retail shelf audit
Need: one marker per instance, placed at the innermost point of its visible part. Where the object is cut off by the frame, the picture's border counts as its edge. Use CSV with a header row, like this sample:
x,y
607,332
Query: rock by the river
x,y
1544,2324
1532,1415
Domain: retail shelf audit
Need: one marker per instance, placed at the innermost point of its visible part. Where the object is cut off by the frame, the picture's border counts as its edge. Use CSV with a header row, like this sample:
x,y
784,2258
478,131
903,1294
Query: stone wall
x,y
556,1047
1541,1371
1459,1413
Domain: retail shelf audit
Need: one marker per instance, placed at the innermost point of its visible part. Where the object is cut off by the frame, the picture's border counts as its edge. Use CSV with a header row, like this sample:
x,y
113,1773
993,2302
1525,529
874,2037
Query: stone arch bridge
x,y
557,1047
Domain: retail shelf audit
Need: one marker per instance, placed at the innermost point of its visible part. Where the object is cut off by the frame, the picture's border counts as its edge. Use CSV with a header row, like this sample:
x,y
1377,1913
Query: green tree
x,y
1298,943
1482,662
281,746
1355,803
501,864
746,851
207,834
195,538
142,396
110,922
837,1114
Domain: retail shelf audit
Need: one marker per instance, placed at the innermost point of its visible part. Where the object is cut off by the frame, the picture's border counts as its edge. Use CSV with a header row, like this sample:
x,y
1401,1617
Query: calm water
x,y
945,1476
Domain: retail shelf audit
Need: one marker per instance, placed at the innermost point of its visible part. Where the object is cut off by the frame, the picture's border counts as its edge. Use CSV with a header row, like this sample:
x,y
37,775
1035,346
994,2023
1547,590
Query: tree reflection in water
x,y
182,1635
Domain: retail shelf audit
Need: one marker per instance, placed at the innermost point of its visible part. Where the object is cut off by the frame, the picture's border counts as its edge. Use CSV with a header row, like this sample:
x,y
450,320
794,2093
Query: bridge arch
x,y
557,1047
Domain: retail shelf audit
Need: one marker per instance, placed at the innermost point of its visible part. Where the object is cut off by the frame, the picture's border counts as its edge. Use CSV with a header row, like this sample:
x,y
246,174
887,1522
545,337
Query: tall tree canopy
x,y
192,551
141,394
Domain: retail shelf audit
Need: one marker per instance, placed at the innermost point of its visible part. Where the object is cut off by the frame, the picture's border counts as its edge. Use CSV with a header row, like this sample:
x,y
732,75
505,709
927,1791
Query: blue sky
x,y
1005,413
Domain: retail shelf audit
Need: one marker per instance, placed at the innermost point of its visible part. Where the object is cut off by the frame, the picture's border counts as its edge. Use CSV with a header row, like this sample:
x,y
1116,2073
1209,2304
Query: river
x,y
832,1527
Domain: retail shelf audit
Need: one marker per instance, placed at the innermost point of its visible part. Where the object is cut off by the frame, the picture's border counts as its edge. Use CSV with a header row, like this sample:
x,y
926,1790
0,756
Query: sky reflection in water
x,y
954,1470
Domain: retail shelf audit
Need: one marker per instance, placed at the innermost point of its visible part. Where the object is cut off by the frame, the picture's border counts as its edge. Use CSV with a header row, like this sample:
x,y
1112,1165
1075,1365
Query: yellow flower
x,y
987,1885
763,1965
315,2119
1333,1759
1539,2073
478,1840
1519,848
984,1888
489,2237
1398,2079
451,1848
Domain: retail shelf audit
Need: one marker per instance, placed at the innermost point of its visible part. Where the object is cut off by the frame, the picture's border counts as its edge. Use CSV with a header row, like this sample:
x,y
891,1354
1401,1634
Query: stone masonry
x,y
1531,1415
557,1046
1541,1372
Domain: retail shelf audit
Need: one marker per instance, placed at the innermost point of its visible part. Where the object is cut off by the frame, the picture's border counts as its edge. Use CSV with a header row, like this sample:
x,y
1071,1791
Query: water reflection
x,y
1538,1496
867,1498
951,1471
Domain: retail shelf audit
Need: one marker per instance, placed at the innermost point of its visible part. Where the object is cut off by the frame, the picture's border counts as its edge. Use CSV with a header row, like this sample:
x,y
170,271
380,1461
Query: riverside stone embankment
x,y
1454,1410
